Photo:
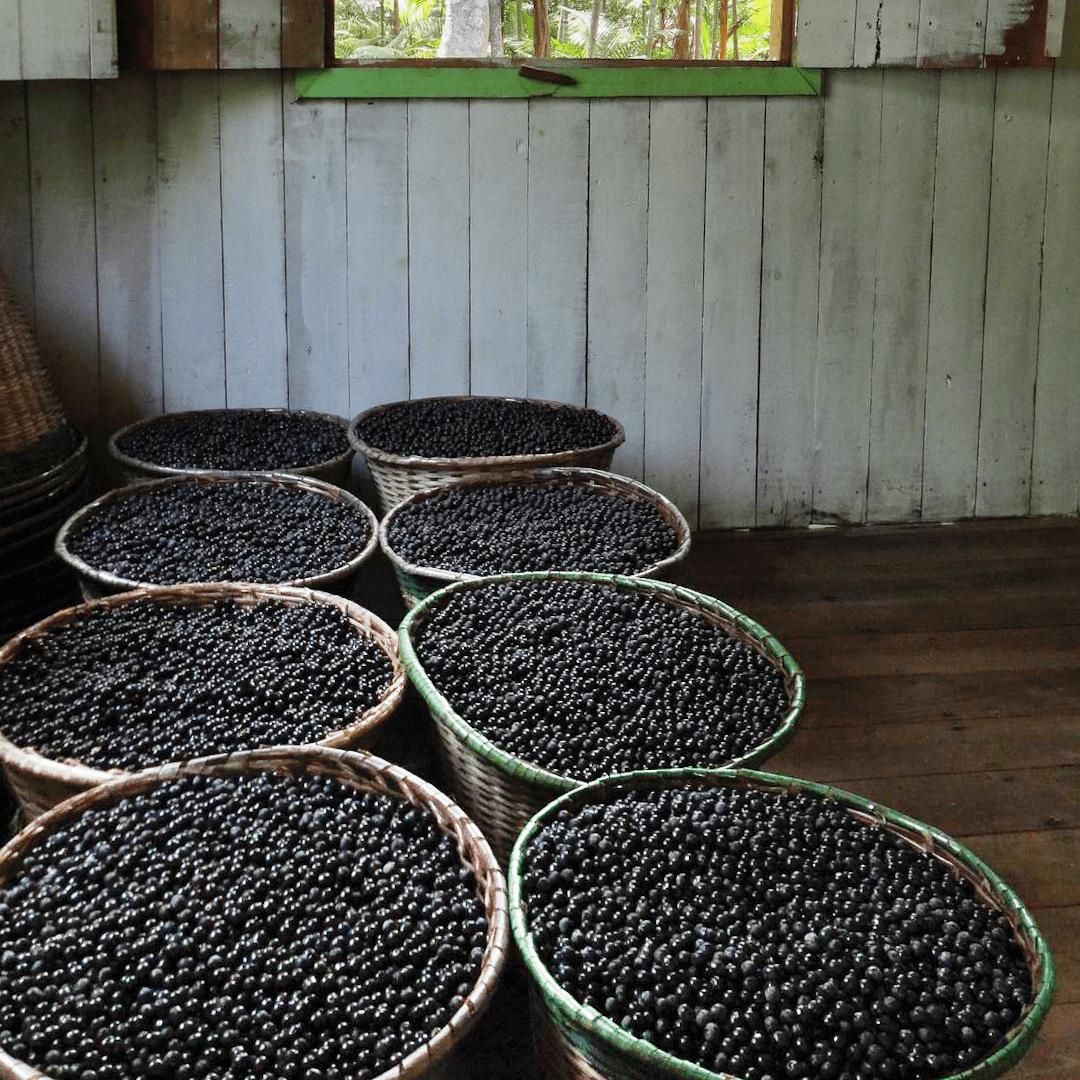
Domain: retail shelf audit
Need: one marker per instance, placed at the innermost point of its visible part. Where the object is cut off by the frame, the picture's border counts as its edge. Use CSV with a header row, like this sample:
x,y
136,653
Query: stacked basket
x,y
43,478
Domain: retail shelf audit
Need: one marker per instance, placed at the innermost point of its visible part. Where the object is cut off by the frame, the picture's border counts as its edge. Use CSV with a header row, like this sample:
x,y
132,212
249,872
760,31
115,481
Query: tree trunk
x,y
734,30
465,29
541,34
682,32
495,22
395,20
722,38
594,26
519,27
650,29
697,29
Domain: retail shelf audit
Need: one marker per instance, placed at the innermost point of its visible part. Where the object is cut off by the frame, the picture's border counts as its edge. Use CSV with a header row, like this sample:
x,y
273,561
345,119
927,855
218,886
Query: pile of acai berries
x,y
145,682
249,440
235,928
507,527
482,427
584,679
247,529
771,936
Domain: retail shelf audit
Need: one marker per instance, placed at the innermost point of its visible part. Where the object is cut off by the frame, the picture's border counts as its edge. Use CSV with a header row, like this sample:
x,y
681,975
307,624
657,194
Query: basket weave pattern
x,y
397,476
502,792
40,782
95,583
416,582
361,771
582,1044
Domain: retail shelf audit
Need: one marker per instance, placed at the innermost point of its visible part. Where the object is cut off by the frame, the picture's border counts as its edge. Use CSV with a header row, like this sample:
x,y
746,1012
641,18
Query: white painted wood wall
x,y
57,39
861,307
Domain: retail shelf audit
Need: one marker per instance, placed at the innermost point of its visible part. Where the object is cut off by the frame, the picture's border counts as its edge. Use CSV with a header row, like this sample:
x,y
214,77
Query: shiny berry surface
x,y
482,427
228,929
771,936
585,680
147,682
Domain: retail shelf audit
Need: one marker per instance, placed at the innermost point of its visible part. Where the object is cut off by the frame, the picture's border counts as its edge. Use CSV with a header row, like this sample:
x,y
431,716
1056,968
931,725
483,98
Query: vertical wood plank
x,y
439,247
825,35
558,248
376,163
886,32
734,176
1056,461
902,295
845,337
55,39
253,240
104,63
957,294
1005,17
618,246
185,35
498,245
250,34
189,198
303,33
10,41
128,266
951,31
673,301
65,278
16,246
316,255
791,233
1055,27
1017,205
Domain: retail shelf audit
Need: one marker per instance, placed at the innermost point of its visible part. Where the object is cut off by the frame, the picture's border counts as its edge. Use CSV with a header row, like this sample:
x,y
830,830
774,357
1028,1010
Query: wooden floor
x,y
943,669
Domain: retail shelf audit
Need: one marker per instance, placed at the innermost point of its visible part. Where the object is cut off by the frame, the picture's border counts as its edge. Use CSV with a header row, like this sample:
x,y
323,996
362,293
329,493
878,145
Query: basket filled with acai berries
x,y
696,925
269,528
542,519
145,677
290,913
413,445
235,440
540,682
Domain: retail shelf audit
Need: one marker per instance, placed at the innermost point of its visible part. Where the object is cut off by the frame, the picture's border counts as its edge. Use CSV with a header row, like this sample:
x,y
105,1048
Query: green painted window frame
x,y
564,79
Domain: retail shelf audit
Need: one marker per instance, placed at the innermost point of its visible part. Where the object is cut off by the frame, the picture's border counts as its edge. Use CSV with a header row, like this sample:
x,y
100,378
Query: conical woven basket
x,y
34,433
576,1042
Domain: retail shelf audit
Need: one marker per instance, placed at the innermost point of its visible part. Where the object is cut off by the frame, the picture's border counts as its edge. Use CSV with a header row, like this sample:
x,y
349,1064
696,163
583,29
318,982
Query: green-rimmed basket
x,y
40,782
398,476
334,470
416,582
576,1042
95,582
501,791
358,770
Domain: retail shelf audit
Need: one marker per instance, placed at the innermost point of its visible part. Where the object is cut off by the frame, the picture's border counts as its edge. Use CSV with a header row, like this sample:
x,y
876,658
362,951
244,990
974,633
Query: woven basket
x,y
361,771
397,476
501,791
95,583
34,433
40,782
335,470
576,1042
67,472
416,582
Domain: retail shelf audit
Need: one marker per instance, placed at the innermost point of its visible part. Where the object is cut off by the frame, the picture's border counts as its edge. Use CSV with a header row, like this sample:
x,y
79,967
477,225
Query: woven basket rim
x,y
742,626
415,461
567,476
152,468
988,884
46,480
365,622
345,765
284,479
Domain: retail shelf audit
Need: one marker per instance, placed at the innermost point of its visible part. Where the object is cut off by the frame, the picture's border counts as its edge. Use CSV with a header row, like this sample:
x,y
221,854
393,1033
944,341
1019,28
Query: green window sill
x,y
569,79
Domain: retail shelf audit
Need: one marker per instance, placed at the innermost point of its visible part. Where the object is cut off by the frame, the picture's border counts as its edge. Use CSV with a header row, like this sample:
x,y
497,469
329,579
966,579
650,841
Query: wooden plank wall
x,y
860,307
61,39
